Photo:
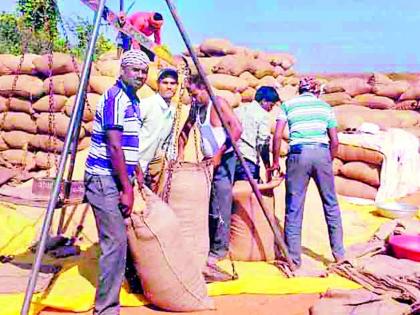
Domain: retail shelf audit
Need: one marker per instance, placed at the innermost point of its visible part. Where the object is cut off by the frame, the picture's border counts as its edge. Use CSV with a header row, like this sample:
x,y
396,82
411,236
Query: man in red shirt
x,y
148,23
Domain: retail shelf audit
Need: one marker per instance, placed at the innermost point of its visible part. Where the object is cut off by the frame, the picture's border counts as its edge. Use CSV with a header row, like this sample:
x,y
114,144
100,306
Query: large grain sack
x,y
109,55
227,82
3,144
285,60
250,78
45,161
100,84
64,84
47,143
337,164
217,47
260,68
407,118
353,188
251,237
196,49
248,95
90,106
57,103
152,76
362,172
413,93
10,64
17,121
278,71
379,78
59,124
290,81
232,65
61,63
375,102
4,104
170,276
392,90
382,118
350,108
26,86
407,105
233,99
109,68
88,127
84,143
287,92
17,139
348,121
353,86
22,158
269,81
337,98
207,63
349,153
20,105
186,187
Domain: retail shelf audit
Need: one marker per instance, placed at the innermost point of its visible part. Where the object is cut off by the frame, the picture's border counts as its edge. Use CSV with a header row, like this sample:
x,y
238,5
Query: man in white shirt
x,y
157,118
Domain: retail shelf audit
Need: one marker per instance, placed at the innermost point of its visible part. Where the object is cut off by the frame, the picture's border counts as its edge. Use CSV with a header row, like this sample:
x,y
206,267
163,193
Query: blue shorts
x,y
123,41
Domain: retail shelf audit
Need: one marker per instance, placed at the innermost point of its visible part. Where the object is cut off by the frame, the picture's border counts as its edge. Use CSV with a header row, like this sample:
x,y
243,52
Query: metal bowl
x,y
395,210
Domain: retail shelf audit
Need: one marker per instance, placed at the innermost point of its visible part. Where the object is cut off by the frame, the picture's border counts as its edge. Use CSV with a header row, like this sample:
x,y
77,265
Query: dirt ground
x,y
246,304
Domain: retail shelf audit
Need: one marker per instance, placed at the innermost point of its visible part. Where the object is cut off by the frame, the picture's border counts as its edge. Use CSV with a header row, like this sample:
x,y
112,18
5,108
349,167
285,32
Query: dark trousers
x,y
220,211
240,171
310,161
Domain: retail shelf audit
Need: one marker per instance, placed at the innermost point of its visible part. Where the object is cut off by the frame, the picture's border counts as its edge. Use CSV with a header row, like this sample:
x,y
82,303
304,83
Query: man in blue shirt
x,y
111,168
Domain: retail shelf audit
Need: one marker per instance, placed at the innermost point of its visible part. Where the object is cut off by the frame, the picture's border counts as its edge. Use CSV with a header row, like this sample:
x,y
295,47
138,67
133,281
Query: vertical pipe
x,y
121,5
78,106
276,229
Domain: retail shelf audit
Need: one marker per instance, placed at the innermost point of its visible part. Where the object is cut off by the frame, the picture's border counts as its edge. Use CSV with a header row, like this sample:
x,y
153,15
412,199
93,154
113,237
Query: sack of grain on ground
x,y
17,121
287,92
46,143
57,103
407,105
63,84
337,164
3,144
350,153
233,65
20,105
362,172
20,158
59,124
347,121
26,86
379,78
248,95
109,68
353,188
337,98
352,86
260,68
250,78
392,90
269,80
44,160
11,64
233,99
413,93
100,84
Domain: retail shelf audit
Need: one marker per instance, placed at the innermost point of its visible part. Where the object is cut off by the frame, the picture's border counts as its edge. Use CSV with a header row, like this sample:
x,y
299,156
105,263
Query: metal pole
x,y
74,122
276,228
121,5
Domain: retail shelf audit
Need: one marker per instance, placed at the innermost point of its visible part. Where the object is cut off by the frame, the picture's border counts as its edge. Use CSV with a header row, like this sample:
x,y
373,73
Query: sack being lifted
x,y
170,276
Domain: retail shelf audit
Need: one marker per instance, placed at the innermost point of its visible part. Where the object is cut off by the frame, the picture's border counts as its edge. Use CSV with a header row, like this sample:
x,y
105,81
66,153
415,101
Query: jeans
x,y
240,172
220,211
103,194
305,162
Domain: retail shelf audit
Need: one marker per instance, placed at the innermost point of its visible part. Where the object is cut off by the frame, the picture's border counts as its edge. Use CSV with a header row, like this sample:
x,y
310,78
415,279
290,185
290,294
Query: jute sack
x,y
392,90
375,102
44,160
20,105
90,106
228,82
353,188
337,98
407,105
233,99
60,123
379,78
64,84
17,121
100,84
363,172
248,95
233,65
352,86
43,104
337,164
186,187
3,144
269,80
61,63
26,86
22,158
10,64
250,78
170,276
17,139
46,143
217,47
413,93
352,153
251,237
109,68
4,104
348,121
260,68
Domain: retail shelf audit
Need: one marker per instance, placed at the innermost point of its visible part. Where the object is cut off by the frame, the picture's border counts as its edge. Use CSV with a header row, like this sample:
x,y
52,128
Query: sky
x,y
324,35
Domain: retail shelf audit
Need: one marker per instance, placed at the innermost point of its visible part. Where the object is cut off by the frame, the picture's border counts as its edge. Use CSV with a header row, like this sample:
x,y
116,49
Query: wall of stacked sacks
x,y
235,73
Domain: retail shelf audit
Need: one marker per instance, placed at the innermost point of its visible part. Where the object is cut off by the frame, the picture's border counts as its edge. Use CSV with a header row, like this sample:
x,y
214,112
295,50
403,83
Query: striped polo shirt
x,y
118,109
308,119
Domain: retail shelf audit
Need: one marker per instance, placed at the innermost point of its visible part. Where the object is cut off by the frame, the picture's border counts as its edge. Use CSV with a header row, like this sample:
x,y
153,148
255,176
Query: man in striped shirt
x,y
313,146
111,168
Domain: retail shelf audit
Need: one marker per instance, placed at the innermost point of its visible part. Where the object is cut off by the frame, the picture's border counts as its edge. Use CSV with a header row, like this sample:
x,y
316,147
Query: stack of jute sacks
x,y
33,121
377,99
